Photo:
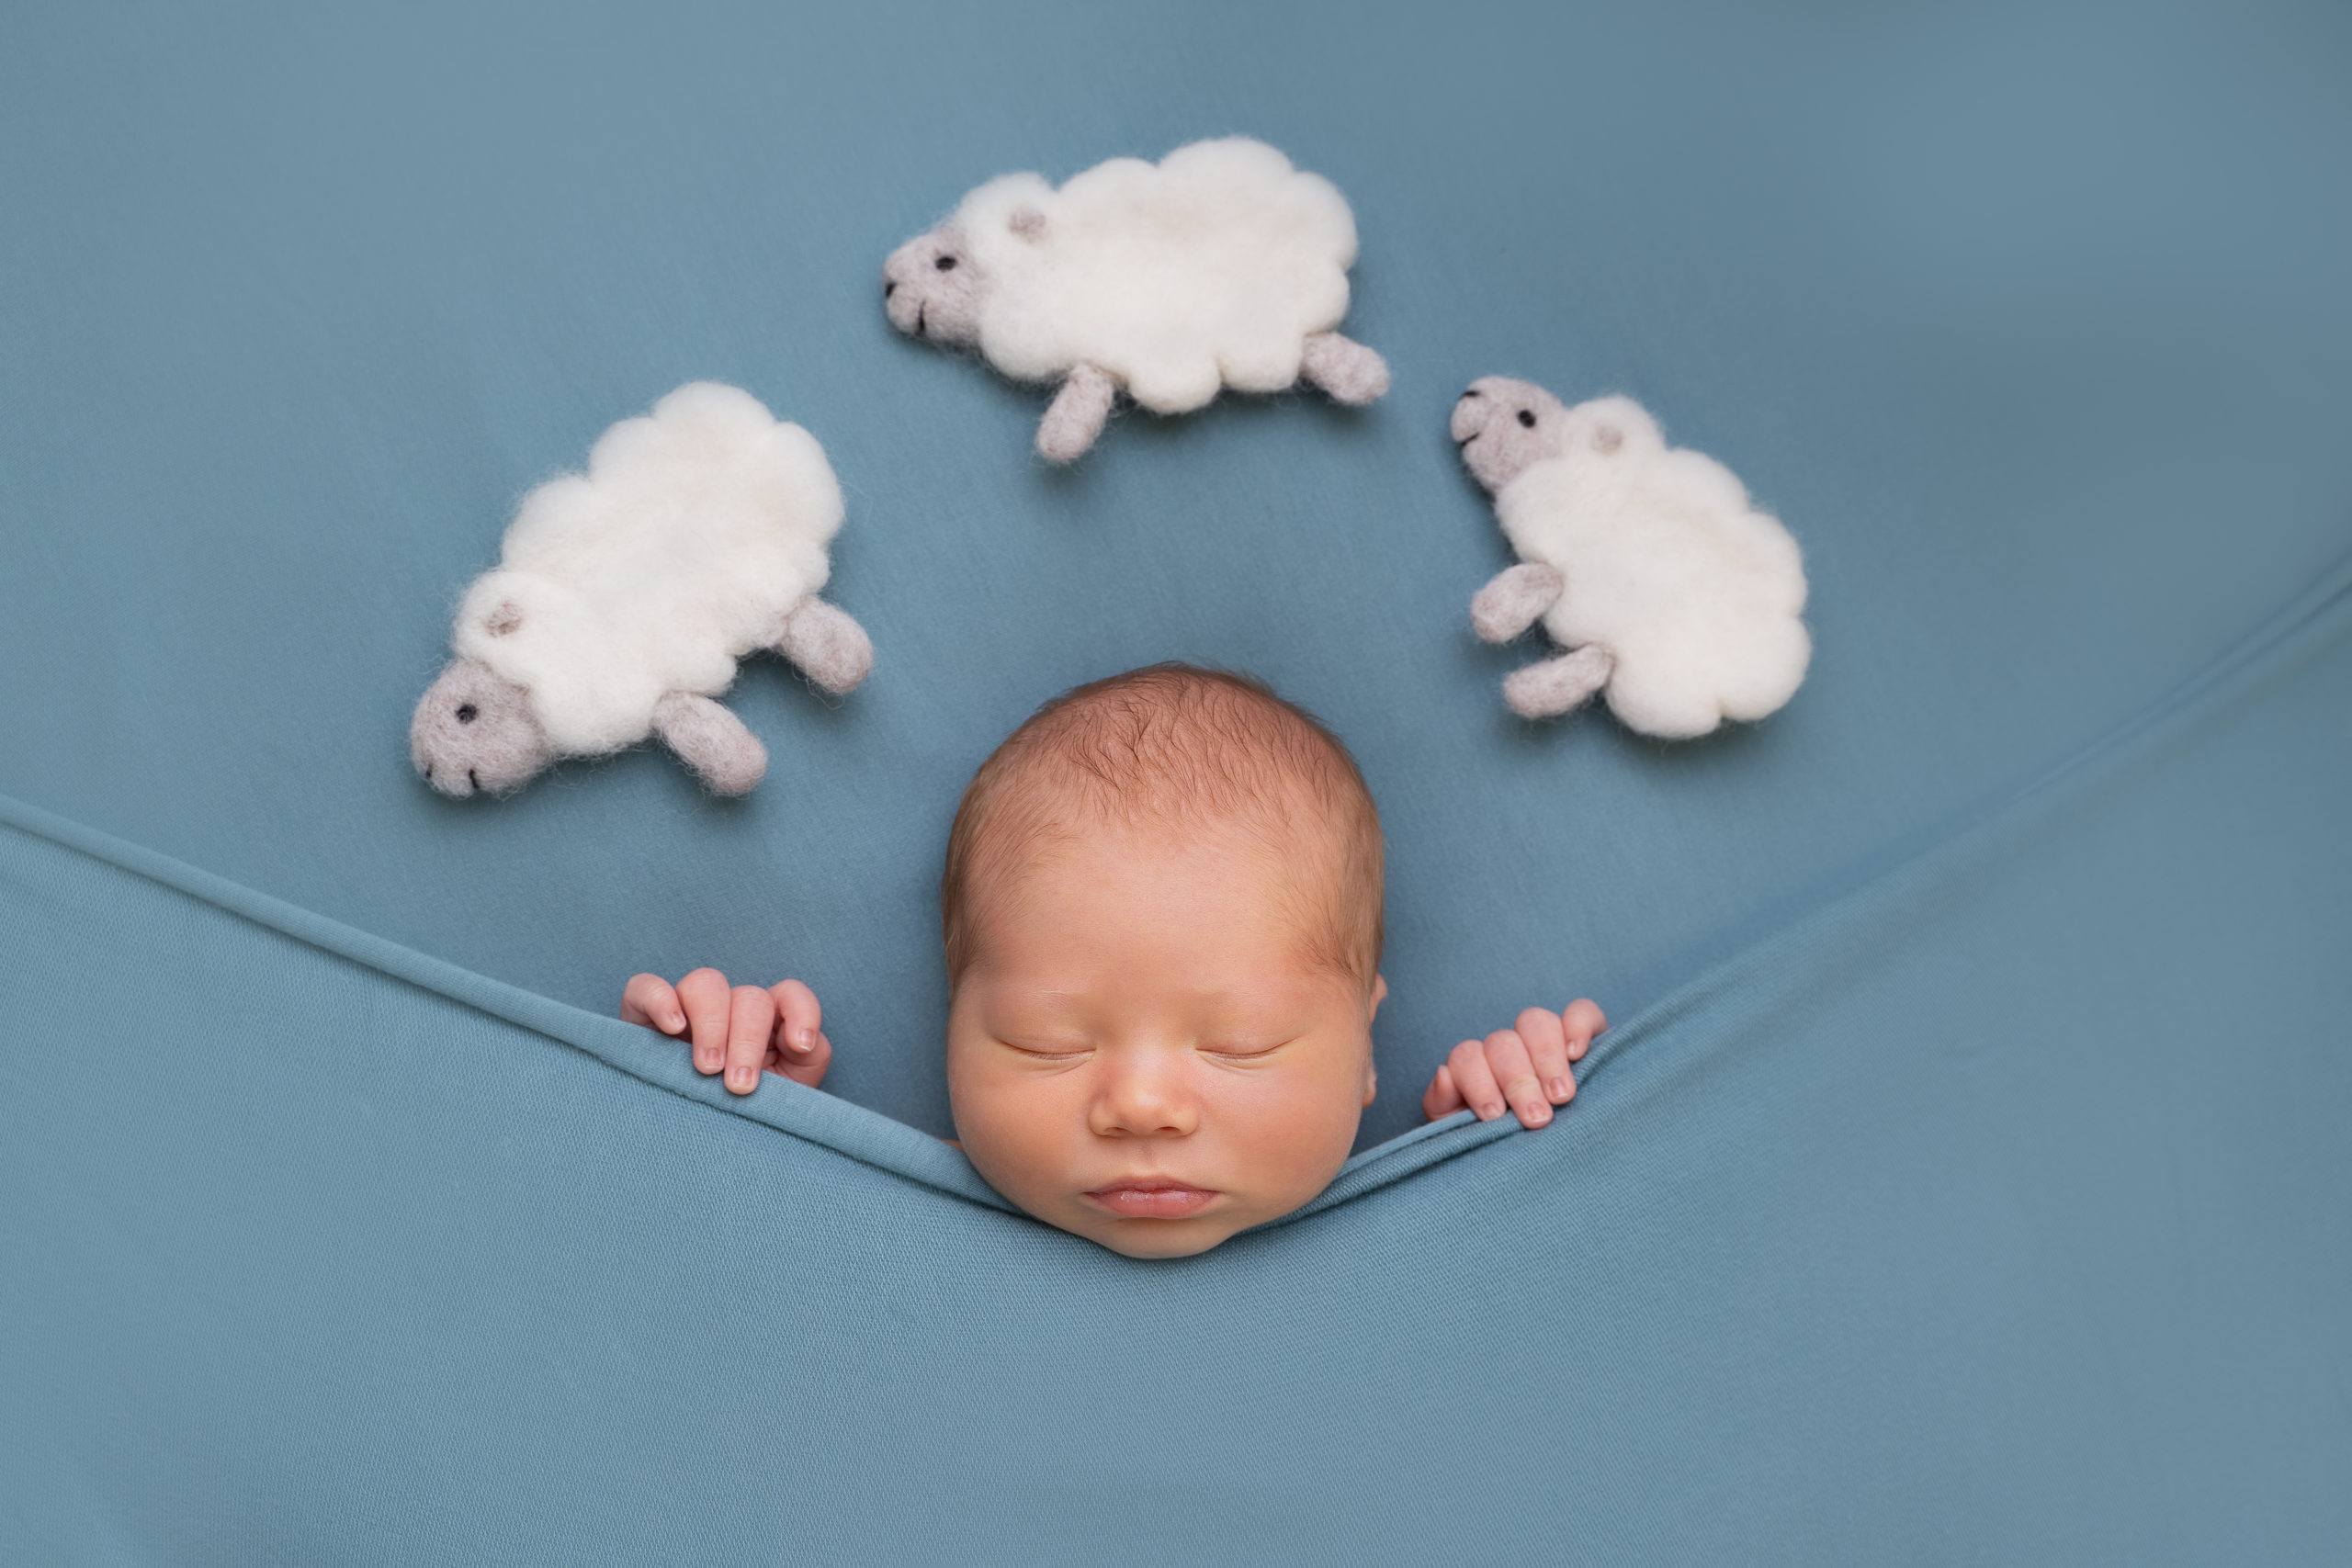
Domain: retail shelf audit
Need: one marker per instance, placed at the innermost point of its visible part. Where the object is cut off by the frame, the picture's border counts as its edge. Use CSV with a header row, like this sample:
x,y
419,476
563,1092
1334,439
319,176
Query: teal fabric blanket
x,y
1997,1213
1965,1179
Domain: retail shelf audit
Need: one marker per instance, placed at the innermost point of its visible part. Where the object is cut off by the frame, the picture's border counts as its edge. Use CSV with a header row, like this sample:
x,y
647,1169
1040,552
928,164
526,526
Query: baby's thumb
x,y
799,1021
806,1067
653,1003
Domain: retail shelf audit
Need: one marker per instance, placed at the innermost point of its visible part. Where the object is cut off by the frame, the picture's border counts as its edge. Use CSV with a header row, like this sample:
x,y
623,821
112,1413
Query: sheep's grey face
x,y
931,290
474,733
1505,427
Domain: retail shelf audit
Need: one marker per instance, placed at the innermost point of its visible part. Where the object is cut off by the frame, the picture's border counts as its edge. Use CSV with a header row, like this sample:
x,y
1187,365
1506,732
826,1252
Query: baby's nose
x,y
1144,1104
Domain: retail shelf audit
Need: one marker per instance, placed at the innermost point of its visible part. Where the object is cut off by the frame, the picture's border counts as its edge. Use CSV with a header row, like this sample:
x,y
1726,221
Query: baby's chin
x,y
1161,1238
1133,1236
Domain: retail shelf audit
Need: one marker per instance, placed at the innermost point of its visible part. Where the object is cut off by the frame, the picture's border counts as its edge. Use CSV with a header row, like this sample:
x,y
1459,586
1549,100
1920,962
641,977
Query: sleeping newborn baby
x,y
1162,910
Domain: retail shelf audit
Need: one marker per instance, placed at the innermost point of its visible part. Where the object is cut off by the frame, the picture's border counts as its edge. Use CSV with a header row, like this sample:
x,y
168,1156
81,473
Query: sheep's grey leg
x,y
1076,417
830,649
1511,603
728,757
1556,685
1344,367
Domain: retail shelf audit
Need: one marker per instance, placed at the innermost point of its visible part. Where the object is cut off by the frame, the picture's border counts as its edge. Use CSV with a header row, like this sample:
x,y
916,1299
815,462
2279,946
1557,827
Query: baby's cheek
x,y
1012,1131
1296,1134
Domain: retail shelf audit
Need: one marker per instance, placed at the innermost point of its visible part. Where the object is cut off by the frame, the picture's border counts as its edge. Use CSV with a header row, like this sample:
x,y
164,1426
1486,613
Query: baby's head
x,y
1162,916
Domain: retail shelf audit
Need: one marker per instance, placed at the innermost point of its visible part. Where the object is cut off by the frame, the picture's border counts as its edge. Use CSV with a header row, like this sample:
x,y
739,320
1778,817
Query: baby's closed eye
x,y
1050,1052
1243,1051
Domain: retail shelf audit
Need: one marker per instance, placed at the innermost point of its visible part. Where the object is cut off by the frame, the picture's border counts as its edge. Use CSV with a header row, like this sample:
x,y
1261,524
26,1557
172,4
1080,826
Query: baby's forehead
x,y
1283,874
1278,822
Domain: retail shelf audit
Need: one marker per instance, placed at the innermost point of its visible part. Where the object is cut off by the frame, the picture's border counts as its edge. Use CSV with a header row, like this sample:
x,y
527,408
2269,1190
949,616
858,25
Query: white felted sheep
x,y
1647,563
625,596
1220,266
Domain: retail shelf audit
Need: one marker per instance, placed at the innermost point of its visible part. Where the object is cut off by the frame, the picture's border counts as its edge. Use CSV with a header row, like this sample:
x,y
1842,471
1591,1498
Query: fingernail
x,y
1538,1114
740,1079
800,1039
706,1062
1559,1089
675,1022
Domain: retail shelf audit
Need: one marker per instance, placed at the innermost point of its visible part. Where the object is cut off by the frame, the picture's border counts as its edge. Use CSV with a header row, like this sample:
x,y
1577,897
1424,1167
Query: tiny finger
x,y
1515,1077
651,1001
806,1067
799,1019
751,1022
1474,1080
1580,1020
704,996
1441,1099
1547,1048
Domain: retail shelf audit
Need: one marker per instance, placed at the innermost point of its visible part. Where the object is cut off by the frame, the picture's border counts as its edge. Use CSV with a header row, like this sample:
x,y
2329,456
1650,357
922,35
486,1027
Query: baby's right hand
x,y
739,1029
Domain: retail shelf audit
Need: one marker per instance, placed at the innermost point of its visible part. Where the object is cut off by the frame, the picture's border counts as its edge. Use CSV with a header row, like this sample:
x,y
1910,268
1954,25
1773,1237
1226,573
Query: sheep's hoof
x,y
1076,417
1515,601
728,757
830,649
1351,373
1558,685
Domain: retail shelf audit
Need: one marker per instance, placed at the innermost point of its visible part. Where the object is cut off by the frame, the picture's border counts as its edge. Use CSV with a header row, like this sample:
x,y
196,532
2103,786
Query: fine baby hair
x,y
1188,746
1221,266
1645,562
624,597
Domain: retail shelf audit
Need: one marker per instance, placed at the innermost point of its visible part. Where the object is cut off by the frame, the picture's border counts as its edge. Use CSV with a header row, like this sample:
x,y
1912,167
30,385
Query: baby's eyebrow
x,y
1058,1004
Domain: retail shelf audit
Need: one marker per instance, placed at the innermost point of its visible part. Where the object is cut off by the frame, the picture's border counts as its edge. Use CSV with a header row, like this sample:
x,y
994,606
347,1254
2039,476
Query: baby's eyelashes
x,y
1238,1053
1058,1055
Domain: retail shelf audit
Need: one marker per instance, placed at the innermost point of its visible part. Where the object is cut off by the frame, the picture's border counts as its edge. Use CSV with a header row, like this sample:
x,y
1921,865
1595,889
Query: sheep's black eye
x,y
945,263
468,713
1527,418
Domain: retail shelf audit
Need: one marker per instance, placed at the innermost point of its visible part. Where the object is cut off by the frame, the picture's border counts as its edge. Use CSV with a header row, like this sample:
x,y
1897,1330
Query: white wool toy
x,y
624,597
1646,563
1220,266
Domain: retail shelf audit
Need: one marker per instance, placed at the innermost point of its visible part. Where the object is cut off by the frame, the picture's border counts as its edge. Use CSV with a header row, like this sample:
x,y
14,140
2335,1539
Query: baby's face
x,y
1142,1050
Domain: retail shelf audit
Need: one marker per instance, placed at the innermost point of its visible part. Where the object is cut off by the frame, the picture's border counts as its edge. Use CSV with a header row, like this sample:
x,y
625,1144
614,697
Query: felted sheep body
x,y
691,537
699,534
1690,600
1220,266
1207,269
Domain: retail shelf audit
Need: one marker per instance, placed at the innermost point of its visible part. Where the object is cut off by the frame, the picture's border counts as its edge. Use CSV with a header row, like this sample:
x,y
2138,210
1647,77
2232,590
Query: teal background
x,y
2031,323
1964,1181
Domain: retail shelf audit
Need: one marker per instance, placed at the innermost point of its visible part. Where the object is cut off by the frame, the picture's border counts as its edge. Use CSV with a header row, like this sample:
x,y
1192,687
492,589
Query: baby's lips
x,y
1152,1200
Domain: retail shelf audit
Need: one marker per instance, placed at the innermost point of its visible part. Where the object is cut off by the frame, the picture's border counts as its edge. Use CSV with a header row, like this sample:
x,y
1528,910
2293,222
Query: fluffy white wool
x,y
1667,565
1209,268
686,545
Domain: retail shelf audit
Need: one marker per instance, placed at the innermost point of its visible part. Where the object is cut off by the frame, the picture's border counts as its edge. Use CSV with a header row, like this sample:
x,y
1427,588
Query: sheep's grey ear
x,y
506,618
1027,222
1608,437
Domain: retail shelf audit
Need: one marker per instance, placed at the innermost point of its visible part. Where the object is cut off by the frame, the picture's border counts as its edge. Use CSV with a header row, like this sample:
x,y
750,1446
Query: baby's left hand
x,y
1525,1069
